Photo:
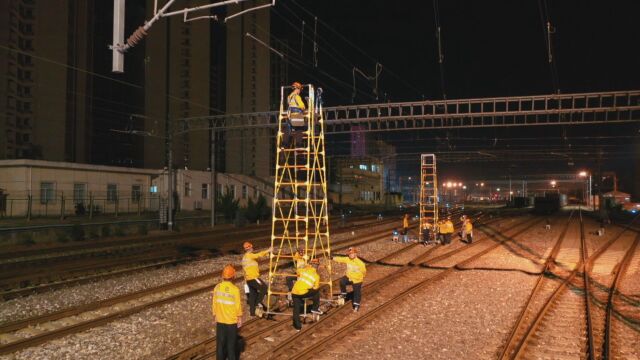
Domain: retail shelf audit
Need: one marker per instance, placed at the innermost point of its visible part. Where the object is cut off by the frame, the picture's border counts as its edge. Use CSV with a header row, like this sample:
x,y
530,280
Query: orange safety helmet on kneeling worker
x,y
247,245
296,85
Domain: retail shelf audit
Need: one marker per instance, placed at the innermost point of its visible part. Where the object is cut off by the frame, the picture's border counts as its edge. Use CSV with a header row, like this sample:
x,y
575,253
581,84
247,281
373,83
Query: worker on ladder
x,y
356,271
296,123
306,287
257,287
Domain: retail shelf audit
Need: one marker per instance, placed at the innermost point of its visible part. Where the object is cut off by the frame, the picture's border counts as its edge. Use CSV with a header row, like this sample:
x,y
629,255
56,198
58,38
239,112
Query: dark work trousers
x,y
447,238
357,290
257,290
298,304
405,231
226,341
291,280
426,235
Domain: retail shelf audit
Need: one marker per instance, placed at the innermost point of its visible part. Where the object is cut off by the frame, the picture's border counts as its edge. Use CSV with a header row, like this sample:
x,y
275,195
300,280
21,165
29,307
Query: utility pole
x,y
213,175
168,132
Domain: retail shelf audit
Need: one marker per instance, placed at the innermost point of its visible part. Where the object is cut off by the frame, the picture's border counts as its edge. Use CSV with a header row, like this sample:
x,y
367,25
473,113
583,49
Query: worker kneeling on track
x,y
257,287
299,262
227,311
356,270
306,287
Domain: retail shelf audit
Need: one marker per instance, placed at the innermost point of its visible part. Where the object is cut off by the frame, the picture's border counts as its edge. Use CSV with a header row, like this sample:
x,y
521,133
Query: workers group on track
x,y
302,286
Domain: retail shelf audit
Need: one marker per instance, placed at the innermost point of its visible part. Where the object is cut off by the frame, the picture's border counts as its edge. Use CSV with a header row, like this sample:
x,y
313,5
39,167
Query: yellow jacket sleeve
x,y
341,259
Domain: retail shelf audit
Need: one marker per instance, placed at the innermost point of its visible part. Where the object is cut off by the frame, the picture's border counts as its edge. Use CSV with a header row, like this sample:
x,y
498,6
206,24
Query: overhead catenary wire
x,y
334,55
436,14
356,47
548,30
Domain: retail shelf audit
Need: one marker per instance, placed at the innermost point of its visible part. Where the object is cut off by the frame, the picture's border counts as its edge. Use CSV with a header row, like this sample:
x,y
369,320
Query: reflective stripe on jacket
x,y
226,304
295,101
250,265
308,279
356,269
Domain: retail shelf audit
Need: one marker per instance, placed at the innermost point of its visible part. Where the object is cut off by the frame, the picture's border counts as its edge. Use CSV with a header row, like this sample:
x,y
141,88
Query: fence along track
x,y
191,288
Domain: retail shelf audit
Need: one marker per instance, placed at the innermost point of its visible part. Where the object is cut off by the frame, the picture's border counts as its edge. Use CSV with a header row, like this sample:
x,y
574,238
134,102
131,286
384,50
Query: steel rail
x,y
308,352
46,336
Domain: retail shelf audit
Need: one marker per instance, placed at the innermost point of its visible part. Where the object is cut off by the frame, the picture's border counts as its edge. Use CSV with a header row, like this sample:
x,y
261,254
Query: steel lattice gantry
x,y
556,109
428,193
300,208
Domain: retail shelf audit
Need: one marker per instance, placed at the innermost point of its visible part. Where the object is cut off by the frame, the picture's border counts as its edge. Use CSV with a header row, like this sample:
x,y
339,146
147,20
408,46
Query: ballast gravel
x,y
152,334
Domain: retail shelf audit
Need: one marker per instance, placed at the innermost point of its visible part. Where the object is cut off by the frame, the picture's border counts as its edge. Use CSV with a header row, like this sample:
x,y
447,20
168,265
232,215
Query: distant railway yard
x,y
528,286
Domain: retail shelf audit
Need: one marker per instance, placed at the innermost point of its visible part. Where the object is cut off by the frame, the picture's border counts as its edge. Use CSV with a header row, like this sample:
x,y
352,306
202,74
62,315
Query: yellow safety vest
x,y
295,101
356,269
468,226
405,222
448,227
308,279
226,306
250,265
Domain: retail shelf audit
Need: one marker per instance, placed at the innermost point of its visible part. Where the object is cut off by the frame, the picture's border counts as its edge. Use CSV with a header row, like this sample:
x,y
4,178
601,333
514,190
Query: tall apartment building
x,y
248,152
43,99
177,86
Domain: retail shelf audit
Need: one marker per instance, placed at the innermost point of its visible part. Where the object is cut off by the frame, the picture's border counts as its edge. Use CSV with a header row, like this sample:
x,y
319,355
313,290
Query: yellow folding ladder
x,y
300,207
428,193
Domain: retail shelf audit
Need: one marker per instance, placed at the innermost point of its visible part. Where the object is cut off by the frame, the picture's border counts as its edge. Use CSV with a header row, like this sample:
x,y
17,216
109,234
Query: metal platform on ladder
x,y
428,194
300,205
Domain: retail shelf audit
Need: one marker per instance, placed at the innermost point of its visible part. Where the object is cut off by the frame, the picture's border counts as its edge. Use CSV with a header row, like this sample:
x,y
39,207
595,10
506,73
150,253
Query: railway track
x,y
379,271
255,328
393,288
17,283
29,332
564,316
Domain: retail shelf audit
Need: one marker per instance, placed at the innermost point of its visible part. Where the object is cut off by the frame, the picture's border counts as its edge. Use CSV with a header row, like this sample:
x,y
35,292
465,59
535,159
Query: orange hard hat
x,y
228,272
247,245
296,85
352,250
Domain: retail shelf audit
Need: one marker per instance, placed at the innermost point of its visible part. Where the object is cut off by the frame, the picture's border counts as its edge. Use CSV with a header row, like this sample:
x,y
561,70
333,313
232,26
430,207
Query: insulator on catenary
x,y
137,35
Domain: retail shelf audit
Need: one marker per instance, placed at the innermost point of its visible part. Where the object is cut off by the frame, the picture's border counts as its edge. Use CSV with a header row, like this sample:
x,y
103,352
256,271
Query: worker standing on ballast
x,y
447,230
306,287
405,224
427,227
227,311
257,287
467,230
356,271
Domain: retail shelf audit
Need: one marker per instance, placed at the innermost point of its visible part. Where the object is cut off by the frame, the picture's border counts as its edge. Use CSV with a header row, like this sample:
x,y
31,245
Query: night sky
x,y
491,48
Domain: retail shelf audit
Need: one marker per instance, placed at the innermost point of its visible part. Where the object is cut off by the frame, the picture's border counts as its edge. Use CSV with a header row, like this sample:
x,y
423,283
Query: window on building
x,y
244,191
232,191
219,190
205,191
363,167
136,193
47,192
112,192
79,193
187,189
375,168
